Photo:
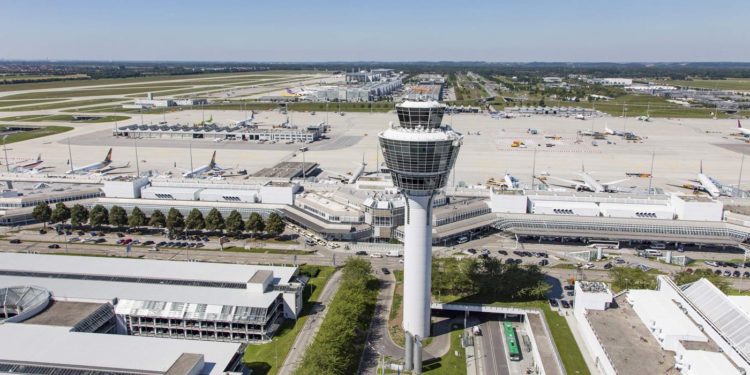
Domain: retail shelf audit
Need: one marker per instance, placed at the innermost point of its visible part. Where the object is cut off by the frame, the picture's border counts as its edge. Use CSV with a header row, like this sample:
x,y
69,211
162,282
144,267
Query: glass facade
x,y
426,117
419,165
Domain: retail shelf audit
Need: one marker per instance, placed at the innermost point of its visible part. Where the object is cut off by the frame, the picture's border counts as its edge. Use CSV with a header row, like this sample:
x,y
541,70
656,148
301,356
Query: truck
x,y
393,254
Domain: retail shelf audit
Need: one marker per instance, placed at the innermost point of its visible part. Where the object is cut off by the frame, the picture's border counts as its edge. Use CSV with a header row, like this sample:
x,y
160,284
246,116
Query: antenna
x,y
70,155
739,179
191,158
533,170
137,165
651,174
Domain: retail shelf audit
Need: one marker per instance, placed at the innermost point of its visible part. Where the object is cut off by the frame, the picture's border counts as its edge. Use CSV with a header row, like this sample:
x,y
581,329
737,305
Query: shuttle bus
x,y
510,337
605,244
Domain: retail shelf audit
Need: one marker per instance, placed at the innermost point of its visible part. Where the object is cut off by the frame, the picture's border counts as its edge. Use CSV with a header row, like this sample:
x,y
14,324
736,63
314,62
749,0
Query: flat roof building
x,y
201,301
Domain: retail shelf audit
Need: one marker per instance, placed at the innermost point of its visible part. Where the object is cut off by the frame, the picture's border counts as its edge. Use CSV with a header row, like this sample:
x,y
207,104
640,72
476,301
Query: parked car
x,y
565,304
717,272
746,274
727,273
42,231
553,302
736,274
569,287
147,243
472,251
375,256
100,240
385,271
510,261
15,241
607,266
502,252
73,239
543,262
361,252
53,246
570,293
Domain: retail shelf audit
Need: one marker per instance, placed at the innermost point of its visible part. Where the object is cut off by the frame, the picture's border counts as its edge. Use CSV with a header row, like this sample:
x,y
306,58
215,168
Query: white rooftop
x,y
743,302
659,312
701,362
57,346
147,268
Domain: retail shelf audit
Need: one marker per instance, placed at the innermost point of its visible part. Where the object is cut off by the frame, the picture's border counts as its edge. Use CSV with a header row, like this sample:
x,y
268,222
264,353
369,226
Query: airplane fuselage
x,y
708,185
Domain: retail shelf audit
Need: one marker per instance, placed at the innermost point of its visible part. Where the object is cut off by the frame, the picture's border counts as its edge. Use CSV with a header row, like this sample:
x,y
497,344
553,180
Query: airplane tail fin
x,y
739,125
213,160
109,156
701,167
39,158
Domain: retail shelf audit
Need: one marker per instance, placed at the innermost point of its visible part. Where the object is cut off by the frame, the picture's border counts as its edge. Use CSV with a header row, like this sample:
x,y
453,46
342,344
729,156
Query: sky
x,y
341,30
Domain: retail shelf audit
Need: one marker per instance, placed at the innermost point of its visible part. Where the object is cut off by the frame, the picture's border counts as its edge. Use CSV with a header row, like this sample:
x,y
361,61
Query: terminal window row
x,y
125,279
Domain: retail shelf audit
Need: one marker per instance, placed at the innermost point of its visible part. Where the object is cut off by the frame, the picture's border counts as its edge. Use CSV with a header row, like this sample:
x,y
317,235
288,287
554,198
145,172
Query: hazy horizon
x,y
639,31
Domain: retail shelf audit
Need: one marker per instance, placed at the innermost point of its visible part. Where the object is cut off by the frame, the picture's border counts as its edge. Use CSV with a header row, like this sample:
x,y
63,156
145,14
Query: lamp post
x,y
5,150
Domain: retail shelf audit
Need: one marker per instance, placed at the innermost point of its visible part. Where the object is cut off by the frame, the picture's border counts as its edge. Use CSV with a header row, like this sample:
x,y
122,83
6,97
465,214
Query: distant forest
x,y
97,69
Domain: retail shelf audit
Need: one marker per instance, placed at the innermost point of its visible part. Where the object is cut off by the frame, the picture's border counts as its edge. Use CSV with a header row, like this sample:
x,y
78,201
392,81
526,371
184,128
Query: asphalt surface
x,y
493,358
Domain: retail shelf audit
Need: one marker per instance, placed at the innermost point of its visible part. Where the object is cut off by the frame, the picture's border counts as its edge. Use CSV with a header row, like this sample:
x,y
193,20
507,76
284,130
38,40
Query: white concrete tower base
x,y
417,265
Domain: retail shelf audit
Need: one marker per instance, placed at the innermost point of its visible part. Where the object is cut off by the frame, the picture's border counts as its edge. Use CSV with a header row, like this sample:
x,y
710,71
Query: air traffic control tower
x,y
420,152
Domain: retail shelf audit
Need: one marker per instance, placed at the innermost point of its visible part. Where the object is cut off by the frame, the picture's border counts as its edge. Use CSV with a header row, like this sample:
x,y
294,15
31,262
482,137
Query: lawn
x,y
69,118
65,104
12,103
265,359
716,84
449,364
36,133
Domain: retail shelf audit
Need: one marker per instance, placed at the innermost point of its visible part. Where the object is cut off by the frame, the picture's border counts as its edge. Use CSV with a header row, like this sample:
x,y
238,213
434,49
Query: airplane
x,y
29,167
609,131
706,184
510,181
203,169
353,177
589,183
103,167
645,118
744,131
580,117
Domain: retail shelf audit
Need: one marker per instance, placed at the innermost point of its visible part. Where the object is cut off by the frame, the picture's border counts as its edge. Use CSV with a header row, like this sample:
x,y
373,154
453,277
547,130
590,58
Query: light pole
x,y
5,150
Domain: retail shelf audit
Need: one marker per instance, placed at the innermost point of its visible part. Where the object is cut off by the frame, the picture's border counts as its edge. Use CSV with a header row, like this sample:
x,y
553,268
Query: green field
x,y
636,105
65,104
69,118
449,364
13,103
742,84
266,359
36,133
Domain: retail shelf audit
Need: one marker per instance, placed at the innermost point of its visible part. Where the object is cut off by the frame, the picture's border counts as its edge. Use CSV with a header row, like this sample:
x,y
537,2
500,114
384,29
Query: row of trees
x,y
487,279
635,278
79,215
338,345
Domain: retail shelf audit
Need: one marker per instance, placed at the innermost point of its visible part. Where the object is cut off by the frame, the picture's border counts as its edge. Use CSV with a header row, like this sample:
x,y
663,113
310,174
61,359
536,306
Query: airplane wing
x,y
615,182
570,182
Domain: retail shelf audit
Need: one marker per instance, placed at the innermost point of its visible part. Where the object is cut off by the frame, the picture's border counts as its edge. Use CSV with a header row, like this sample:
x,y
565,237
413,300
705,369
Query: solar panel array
x,y
732,322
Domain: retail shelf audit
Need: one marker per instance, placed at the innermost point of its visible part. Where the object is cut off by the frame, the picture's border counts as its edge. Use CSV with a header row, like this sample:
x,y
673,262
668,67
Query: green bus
x,y
510,337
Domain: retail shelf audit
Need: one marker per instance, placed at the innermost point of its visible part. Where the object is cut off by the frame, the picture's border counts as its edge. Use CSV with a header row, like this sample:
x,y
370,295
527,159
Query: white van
x,y
653,253
658,245
463,239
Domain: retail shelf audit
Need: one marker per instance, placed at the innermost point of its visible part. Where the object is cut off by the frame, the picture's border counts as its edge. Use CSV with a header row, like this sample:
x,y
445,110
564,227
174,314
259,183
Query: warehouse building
x,y
184,300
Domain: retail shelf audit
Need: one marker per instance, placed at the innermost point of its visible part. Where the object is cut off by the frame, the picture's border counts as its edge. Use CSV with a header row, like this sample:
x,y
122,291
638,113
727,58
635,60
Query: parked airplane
x,y
353,177
209,168
29,167
510,181
706,184
745,131
105,166
589,183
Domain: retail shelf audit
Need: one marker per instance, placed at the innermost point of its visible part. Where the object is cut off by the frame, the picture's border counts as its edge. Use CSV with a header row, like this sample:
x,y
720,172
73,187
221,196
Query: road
x,y
491,354
312,324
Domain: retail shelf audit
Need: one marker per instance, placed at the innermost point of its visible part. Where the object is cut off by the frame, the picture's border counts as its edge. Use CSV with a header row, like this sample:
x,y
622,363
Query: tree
x,y
195,220
98,216
683,277
79,215
274,224
118,216
61,213
157,219
234,223
175,220
42,213
214,220
255,223
632,278
137,218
